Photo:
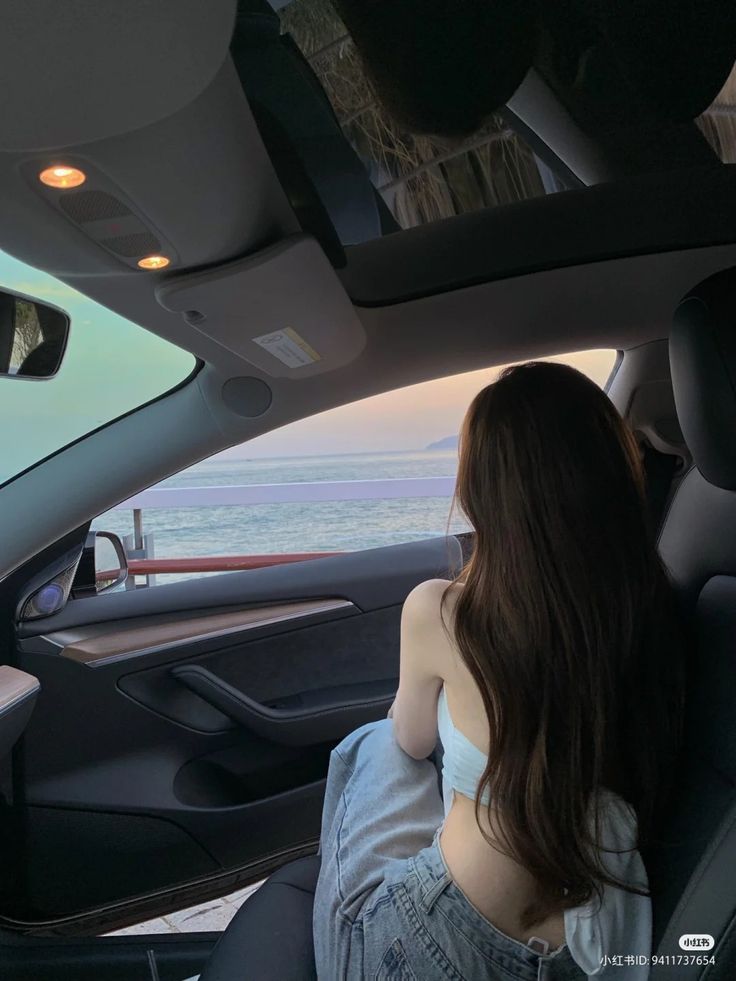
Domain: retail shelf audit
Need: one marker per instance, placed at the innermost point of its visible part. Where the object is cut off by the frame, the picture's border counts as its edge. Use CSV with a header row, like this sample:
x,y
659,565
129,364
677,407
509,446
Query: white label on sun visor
x,y
288,347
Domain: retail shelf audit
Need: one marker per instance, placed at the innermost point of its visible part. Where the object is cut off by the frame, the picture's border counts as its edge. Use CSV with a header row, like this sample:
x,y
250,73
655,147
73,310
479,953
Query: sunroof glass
x,y
421,179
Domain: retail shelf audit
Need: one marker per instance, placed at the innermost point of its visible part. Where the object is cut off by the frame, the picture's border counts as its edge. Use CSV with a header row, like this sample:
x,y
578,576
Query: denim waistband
x,y
438,890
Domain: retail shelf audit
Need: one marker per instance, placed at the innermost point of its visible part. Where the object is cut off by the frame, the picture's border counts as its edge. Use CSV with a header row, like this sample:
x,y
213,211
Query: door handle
x,y
313,717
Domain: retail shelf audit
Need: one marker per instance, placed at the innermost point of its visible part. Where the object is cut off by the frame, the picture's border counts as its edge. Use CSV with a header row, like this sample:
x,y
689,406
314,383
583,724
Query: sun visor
x,y
283,310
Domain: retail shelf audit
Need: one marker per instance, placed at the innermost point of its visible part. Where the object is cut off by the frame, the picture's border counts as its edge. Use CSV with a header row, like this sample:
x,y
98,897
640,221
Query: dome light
x,y
154,262
62,177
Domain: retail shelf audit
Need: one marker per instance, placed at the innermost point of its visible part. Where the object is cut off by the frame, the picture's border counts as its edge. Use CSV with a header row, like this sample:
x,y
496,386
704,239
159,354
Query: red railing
x,y
219,563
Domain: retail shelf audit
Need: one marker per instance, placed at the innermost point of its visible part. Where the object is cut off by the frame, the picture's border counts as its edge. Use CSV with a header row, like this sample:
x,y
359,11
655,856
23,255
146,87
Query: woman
x,y
550,668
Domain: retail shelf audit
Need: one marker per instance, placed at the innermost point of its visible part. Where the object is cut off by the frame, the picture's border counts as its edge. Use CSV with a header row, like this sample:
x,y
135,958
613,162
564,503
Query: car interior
x,y
161,747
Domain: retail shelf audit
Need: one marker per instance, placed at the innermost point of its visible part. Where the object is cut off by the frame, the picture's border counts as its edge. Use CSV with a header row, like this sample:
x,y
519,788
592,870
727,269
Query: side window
x,y
376,472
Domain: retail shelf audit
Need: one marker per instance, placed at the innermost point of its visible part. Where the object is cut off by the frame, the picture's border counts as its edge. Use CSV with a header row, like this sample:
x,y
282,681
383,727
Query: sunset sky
x,y
407,419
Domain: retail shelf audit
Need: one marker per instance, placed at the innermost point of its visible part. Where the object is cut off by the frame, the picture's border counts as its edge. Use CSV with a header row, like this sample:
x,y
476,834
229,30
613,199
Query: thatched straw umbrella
x,y
421,178
718,123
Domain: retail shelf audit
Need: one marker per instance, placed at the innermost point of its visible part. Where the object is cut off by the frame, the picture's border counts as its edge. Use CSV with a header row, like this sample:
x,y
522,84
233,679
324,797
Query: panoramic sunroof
x,y
353,173
421,179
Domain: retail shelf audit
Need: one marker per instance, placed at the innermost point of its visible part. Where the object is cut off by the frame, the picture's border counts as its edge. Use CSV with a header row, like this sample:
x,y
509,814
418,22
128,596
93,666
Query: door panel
x,y
182,733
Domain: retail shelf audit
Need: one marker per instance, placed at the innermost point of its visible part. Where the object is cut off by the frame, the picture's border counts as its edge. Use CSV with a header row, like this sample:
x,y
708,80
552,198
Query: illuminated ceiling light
x,y
62,177
154,262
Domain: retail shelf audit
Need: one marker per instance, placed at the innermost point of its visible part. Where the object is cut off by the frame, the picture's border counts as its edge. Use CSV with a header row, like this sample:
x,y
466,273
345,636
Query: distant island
x,y
448,443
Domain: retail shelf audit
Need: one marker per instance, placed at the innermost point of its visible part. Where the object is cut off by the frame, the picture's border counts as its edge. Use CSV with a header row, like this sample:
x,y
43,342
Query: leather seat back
x,y
692,870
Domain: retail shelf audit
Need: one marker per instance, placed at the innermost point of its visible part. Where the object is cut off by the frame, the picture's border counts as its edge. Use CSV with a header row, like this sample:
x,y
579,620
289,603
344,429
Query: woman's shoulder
x,y
431,591
431,602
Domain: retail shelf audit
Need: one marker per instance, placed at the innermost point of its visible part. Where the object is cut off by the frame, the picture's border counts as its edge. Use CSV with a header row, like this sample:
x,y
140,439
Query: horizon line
x,y
303,456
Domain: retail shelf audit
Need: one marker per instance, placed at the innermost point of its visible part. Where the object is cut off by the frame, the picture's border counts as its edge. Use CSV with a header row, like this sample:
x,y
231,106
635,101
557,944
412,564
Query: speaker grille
x,y
82,206
131,246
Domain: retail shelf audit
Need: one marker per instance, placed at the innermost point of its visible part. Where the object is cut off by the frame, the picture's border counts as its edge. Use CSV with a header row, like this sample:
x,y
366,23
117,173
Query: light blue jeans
x,y
386,907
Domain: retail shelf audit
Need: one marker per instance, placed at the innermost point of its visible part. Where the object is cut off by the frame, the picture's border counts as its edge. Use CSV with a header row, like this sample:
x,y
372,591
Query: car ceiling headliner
x,y
597,267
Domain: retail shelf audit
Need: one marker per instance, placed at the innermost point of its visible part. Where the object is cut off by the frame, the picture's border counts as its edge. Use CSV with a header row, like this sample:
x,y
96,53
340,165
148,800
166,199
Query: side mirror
x,y
103,564
33,337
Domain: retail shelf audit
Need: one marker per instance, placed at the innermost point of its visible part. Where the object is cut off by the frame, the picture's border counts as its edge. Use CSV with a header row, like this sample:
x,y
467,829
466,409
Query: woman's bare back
x,y
494,883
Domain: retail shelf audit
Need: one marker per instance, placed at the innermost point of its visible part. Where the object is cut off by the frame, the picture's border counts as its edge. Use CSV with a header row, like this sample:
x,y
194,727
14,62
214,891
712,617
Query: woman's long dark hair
x,y
566,622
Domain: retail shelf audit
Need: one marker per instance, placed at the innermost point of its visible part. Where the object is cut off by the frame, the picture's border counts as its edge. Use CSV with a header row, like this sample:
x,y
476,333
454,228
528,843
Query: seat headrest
x,y
703,367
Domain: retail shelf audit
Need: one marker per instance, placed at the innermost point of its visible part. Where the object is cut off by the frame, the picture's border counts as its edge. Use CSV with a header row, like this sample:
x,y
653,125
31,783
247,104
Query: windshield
x,y
110,367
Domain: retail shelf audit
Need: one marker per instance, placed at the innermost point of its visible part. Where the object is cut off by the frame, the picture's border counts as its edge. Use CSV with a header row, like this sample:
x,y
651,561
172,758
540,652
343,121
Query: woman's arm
x,y
414,711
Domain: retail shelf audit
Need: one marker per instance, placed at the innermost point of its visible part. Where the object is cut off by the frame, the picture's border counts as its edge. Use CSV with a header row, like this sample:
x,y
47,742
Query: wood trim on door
x,y
15,685
105,647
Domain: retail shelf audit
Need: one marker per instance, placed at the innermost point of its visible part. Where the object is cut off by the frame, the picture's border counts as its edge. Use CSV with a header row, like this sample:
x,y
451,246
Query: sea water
x,y
333,526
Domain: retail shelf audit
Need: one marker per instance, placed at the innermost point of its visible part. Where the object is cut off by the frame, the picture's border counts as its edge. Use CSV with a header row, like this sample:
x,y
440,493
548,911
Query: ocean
x,y
319,527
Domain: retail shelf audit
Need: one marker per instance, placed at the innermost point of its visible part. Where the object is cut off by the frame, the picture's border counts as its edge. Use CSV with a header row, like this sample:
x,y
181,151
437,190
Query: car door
x,y
181,736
